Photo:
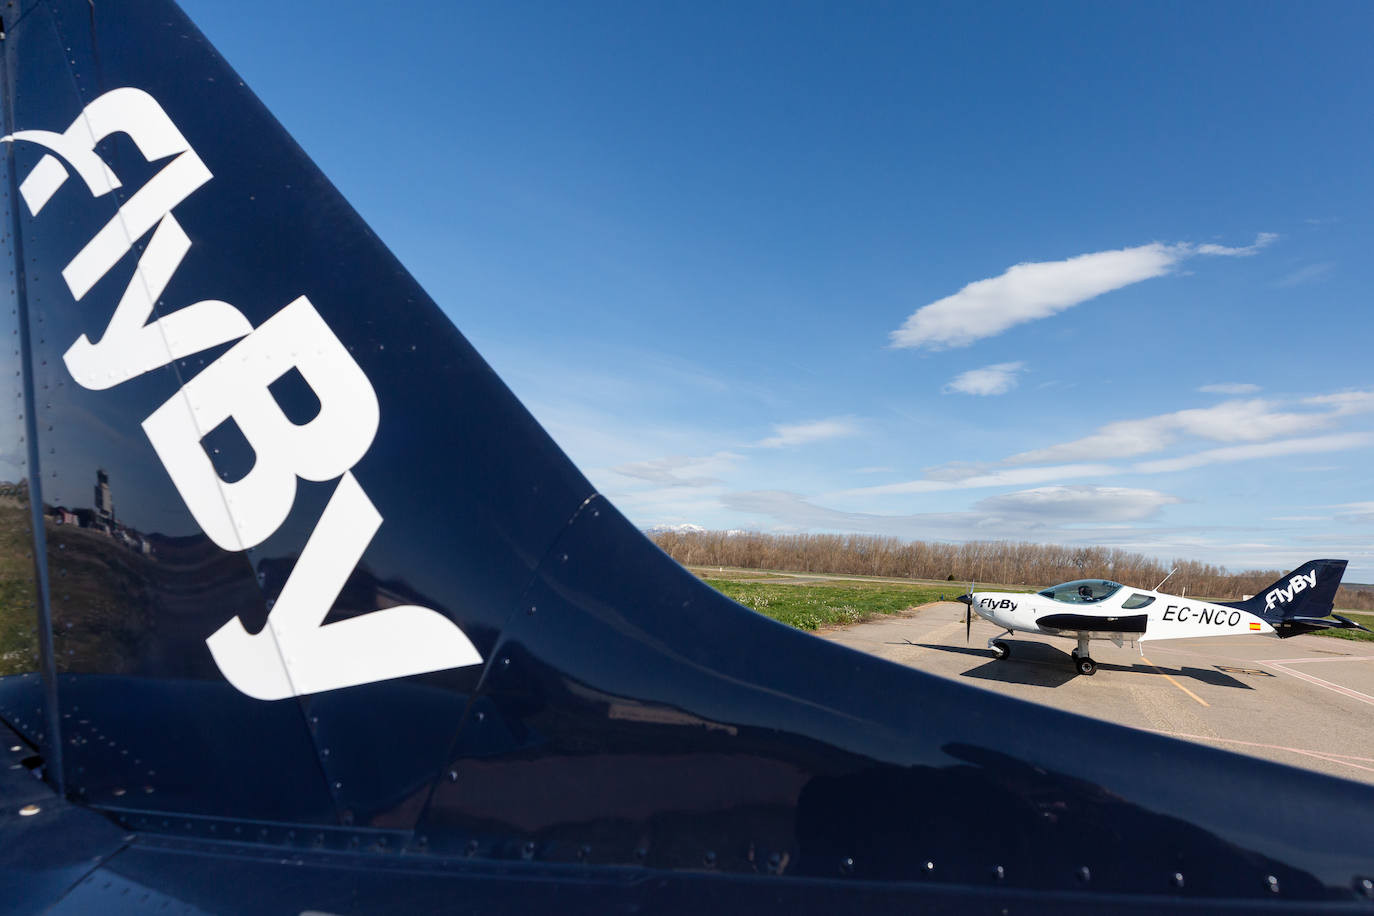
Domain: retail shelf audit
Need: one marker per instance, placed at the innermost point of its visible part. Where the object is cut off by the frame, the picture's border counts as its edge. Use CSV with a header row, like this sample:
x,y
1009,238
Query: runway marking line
x,y
1342,658
1328,756
1280,663
1176,683
1343,691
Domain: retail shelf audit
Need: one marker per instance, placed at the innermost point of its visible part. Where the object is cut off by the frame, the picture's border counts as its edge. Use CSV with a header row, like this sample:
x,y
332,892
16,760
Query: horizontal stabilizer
x,y
1294,626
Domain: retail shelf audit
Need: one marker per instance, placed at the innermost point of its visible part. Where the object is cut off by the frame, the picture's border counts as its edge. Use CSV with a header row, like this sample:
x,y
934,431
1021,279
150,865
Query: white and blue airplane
x,y
1088,609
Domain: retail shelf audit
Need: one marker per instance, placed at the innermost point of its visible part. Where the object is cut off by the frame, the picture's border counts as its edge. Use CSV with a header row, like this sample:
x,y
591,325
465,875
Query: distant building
x,y
104,502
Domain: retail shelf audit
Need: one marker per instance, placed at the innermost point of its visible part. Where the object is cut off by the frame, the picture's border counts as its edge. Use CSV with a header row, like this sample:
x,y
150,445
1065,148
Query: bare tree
x,y
1015,563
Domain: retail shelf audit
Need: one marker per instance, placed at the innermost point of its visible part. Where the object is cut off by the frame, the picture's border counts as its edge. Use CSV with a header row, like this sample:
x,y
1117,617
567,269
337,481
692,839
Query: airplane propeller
x,y
967,601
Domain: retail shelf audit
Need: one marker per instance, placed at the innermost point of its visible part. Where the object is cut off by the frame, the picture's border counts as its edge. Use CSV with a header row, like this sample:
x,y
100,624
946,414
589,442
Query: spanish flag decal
x,y
1254,626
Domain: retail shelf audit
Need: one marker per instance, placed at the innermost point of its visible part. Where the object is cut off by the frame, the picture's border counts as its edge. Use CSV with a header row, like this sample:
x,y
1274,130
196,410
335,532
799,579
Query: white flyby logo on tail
x,y
294,654
1299,583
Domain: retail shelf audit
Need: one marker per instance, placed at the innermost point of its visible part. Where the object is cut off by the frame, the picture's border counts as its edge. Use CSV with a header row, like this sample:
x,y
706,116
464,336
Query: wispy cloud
x,y
1008,477
1263,240
667,472
1078,504
1044,511
989,380
786,435
1344,403
1308,274
1308,445
1230,388
1033,290
1356,512
796,513
1232,421
1261,429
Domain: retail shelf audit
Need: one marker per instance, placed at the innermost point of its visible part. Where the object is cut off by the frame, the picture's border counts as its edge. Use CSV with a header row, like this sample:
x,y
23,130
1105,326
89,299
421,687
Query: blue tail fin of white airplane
x,y
1301,601
303,610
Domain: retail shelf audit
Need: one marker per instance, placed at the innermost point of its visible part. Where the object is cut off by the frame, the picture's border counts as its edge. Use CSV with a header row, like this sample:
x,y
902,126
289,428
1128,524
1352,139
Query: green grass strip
x,y
811,606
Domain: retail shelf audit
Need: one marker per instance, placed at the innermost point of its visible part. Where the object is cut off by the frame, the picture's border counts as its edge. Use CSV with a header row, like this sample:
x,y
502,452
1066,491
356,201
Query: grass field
x,y
18,596
810,604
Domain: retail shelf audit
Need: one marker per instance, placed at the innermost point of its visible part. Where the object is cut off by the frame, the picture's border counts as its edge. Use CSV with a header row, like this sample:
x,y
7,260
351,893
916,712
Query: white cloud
x,y
1263,240
1231,421
787,435
664,471
1033,290
1308,274
1031,512
1003,478
1251,424
1344,403
1304,446
1243,421
956,470
798,513
996,379
1029,291
1358,512
1076,504
1230,388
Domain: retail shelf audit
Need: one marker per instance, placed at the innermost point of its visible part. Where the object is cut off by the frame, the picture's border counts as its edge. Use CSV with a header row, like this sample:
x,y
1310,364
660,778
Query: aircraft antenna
x,y
1166,578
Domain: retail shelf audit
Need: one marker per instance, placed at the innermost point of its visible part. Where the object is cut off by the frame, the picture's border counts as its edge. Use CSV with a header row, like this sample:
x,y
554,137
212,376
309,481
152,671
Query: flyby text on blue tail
x,y
1301,601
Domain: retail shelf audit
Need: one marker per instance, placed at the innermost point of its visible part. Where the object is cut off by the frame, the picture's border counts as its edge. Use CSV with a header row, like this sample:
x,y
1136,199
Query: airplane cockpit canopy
x,y
1082,591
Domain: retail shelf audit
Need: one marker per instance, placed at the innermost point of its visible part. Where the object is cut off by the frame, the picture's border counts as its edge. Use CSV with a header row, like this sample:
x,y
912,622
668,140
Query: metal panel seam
x,y
480,687
47,660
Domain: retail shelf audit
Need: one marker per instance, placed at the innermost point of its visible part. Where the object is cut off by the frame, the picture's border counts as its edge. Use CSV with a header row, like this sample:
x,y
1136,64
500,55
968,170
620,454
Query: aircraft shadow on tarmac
x,y
1038,665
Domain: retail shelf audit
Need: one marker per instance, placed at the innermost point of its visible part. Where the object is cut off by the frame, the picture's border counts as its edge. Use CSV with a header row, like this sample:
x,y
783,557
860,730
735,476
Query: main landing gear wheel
x,y
1085,665
1001,650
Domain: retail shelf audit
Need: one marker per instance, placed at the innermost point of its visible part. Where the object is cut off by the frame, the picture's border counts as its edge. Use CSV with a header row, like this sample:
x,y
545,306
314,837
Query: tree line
x,y
1015,563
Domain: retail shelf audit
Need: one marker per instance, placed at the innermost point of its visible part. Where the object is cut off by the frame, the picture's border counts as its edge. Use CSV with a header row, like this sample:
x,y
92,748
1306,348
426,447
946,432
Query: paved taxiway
x,y
1307,701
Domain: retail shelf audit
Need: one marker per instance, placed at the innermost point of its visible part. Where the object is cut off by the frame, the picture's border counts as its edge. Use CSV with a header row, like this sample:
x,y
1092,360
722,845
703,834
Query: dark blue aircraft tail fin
x,y
289,577
1300,601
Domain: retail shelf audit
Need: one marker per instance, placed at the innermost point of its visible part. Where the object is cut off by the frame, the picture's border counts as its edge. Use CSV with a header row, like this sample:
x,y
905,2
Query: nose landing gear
x,y
1000,650
1085,665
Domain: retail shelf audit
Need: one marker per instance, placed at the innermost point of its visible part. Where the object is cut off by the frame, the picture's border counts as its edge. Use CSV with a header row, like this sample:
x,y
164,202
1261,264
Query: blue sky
x,y
1091,273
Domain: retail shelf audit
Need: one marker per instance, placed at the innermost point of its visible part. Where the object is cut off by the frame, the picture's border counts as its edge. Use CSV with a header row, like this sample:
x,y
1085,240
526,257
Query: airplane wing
x,y
305,612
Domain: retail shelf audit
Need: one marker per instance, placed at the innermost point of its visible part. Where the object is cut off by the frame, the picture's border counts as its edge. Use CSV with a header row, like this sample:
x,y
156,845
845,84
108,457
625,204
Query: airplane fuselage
x,y
1087,609
1127,615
